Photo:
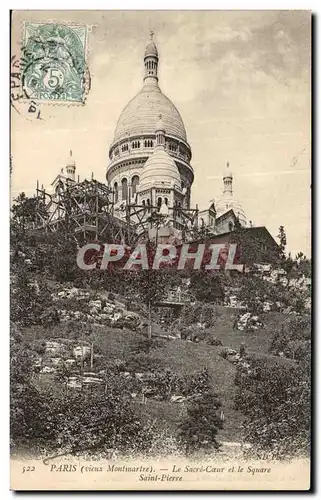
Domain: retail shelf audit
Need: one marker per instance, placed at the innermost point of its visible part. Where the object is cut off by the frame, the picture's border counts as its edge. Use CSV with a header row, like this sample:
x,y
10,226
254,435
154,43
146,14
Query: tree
x,y
30,302
274,396
27,411
253,292
303,265
206,285
148,285
23,210
197,432
64,256
293,338
95,422
282,237
141,362
55,421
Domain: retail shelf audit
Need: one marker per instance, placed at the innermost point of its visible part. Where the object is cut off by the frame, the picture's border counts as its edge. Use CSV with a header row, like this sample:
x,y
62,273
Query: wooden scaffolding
x,y
87,210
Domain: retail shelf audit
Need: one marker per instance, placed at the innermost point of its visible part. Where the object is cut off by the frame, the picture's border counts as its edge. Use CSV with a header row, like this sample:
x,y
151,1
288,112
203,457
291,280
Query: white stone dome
x,y
227,202
141,113
151,49
159,170
137,132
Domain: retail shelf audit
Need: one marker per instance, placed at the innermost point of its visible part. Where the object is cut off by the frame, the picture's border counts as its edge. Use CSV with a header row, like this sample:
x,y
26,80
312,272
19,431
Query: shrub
x,y
141,362
224,353
274,396
214,341
29,301
198,430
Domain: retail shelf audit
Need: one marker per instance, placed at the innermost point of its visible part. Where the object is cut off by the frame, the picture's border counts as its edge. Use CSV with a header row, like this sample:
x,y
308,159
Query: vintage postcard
x,y
160,250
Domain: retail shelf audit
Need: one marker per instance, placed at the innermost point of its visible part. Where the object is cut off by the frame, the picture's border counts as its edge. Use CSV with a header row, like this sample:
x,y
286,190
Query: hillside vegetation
x,y
85,377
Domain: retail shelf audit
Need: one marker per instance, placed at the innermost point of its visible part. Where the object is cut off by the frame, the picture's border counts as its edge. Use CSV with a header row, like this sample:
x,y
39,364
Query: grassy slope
x,y
184,357
256,341
187,357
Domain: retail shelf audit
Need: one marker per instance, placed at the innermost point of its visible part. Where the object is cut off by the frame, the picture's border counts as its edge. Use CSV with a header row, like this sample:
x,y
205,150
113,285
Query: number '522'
x,y
28,468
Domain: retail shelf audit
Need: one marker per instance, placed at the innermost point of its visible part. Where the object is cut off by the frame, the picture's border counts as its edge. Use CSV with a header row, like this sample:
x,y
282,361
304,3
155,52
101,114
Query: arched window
x,y
116,192
135,182
124,188
166,201
59,187
230,226
143,202
124,147
159,201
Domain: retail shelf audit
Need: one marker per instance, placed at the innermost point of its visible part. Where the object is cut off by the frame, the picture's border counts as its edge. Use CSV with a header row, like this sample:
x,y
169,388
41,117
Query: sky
x,y
241,81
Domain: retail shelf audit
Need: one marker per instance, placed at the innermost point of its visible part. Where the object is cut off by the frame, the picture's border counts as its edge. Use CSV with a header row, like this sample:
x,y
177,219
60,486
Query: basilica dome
x,y
160,171
135,139
141,113
228,202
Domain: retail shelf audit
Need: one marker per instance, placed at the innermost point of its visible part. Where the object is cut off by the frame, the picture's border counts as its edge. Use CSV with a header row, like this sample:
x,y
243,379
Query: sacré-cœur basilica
x,y
150,175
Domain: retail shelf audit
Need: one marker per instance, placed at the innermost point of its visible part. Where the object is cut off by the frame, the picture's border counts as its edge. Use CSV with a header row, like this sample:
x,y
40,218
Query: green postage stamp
x,y
54,62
